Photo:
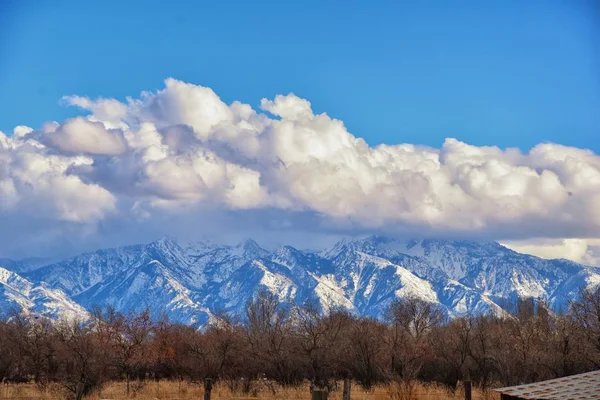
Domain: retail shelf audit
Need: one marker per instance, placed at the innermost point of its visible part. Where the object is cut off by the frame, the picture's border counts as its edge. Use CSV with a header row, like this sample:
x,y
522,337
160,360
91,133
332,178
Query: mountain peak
x,y
166,244
166,240
249,248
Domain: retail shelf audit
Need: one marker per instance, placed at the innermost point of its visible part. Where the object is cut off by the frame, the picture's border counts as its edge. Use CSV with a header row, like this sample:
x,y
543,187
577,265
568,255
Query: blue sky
x,y
502,73
506,73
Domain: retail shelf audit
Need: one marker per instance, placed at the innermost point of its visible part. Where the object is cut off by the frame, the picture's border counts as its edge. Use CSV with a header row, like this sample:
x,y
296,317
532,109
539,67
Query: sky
x,y
460,119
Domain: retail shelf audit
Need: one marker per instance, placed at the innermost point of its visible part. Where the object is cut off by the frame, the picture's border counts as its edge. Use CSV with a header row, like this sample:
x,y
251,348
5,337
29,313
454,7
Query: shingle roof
x,y
574,387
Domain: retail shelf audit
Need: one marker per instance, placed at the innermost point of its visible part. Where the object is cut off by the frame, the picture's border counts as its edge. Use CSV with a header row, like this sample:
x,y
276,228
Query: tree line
x,y
288,345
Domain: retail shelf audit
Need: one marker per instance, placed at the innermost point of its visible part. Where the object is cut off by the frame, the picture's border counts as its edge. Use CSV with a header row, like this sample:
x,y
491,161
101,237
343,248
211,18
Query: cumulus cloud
x,y
79,135
183,150
35,183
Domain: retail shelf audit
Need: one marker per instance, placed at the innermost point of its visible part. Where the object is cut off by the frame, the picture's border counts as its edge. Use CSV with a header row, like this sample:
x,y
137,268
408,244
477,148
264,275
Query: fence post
x,y
467,390
346,395
207,388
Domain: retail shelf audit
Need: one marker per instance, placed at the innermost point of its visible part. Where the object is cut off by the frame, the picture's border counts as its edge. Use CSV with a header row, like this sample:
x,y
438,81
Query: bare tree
x,y
367,357
451,344
83,365
129,338
284,344
215,349
319,335
36,347
416,317
270,339
586,312
411,320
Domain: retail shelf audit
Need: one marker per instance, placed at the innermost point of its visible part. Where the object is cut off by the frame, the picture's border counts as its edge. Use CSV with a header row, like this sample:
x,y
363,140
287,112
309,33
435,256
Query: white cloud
x,y
580,250
183,103
109,111
79,135
290,107
21,131
182,149
35,184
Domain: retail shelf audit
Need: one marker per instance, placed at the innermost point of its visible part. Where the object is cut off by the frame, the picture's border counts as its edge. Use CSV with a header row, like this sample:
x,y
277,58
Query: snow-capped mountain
x,y
19,294
192,282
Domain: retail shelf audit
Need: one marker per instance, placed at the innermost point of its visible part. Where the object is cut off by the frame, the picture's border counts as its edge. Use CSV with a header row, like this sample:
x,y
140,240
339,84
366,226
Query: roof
x,y
574,387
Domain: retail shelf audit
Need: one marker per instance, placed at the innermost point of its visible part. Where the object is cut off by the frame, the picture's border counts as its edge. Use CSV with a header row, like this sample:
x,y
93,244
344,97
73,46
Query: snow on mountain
x,y
434,283
79,273
19,294
151,285
192,282
473,276
570,288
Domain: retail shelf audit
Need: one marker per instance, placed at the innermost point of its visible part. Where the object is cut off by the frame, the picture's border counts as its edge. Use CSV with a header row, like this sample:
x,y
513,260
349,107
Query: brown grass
x,y
164,390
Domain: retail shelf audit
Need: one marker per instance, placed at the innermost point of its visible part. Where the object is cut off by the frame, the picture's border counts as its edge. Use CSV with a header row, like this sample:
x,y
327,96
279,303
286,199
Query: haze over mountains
x,y
191,282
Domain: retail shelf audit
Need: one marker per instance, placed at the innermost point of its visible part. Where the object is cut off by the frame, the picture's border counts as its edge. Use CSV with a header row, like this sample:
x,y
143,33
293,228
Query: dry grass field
x,y
164,390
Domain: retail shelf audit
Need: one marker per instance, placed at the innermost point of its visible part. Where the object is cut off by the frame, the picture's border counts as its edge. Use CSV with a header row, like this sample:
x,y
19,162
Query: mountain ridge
x,y
190,282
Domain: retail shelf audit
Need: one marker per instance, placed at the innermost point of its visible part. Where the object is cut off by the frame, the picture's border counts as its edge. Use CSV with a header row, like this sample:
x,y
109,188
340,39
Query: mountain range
x,y
194,281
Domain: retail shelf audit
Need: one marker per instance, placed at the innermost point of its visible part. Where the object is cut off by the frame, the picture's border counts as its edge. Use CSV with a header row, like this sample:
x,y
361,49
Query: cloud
x,y
289,107
585,251
182,150
82,136
35,183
